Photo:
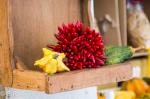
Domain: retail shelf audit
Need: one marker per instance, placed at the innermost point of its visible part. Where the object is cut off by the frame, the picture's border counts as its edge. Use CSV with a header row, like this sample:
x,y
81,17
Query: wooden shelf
x,y
33,80
37,19
140,54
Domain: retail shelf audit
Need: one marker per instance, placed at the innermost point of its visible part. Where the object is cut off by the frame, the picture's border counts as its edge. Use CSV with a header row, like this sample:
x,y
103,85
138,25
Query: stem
x,y
137,49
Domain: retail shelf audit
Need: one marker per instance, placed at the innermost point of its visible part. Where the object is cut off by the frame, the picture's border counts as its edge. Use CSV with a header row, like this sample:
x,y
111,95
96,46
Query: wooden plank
x,y
35,22
109,7
85,15
35,80
5,50
140,54
29,80
74,10
123,21
90,77
142,63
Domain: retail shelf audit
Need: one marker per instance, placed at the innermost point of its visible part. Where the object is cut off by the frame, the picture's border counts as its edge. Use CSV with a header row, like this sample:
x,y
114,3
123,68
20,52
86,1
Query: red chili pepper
x,y
82,46
75,49
92,58
99,62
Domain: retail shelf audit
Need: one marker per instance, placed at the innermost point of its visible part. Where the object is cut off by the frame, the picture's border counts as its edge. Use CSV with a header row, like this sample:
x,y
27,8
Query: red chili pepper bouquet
x,y
82,46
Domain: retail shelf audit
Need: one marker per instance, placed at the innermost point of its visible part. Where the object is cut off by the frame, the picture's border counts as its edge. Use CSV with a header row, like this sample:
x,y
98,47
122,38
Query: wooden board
x,y
142,63
85,14
29,80
5,46
87,78
35,22
110,7
123,21
140,54
33,80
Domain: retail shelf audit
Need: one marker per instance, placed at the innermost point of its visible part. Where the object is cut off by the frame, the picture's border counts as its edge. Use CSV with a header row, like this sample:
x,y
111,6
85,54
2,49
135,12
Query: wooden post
x,y
5,50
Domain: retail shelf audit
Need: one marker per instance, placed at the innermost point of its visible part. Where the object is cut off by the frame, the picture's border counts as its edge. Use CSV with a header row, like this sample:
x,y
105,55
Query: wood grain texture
x,y
123,21
140,54
87,78
20,65
110,7
85,15
5,50
35,22
29,80
33,80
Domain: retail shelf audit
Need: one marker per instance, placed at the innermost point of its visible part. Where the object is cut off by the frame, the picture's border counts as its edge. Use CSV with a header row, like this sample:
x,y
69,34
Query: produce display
x,y
135,88
79,47
139,86
82,46
52,62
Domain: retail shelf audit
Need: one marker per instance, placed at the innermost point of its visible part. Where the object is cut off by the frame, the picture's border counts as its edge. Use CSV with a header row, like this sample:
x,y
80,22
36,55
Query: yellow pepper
x,y
52,62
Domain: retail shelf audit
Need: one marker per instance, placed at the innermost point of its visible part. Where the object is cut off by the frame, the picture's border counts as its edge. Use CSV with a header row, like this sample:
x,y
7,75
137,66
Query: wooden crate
x,y
26,26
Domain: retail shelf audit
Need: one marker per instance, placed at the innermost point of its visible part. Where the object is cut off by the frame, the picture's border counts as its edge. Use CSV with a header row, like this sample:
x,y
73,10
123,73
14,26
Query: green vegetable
x,y
117,54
